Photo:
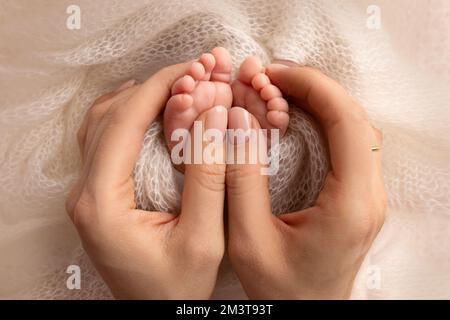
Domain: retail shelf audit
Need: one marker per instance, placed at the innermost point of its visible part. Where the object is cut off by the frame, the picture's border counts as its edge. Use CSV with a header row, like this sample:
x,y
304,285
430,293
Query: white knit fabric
x,y
50,75
302,168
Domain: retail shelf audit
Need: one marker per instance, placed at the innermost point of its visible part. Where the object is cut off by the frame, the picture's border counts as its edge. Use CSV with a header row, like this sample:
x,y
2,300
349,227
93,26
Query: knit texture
x,y
50,75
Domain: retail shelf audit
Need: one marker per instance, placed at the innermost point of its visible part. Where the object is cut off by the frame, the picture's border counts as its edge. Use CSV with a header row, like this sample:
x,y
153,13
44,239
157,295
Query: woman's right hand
x,y
140,254
316,252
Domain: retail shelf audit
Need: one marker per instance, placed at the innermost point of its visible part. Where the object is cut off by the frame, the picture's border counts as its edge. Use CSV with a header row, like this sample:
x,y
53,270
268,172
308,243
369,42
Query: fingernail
x,y
239,118
126,85
286,62
276,67
217,118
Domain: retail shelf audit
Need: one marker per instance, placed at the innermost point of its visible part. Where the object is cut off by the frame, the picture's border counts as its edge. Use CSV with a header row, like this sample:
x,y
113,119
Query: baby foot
x,y
254,92
206,85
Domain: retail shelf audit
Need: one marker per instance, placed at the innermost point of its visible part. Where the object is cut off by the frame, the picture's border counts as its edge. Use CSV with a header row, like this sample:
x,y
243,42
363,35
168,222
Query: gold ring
x,y
375,148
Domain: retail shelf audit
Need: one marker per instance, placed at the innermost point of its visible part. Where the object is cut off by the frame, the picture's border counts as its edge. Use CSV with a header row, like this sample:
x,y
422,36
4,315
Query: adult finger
x,y
86,134
203,196
248,200
124,128
96,112
349,134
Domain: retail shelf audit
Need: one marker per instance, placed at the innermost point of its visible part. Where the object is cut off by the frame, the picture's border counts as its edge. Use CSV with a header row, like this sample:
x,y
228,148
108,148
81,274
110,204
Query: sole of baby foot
x,y
205,85
253,91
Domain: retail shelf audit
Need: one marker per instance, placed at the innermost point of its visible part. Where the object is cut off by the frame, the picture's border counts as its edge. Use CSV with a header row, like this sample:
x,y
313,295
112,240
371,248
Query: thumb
x,y
318,94
248,200
204,181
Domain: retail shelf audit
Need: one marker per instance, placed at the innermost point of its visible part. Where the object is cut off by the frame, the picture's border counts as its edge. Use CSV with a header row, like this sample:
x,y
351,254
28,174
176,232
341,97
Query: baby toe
x,y
178,104
197,71
269,92
278,104
278,119
208,61
249,69
185,84
179,114
223,65
260,81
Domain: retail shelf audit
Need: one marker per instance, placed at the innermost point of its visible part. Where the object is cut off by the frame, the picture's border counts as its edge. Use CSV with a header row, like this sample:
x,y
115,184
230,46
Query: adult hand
x,y
316,252
139,254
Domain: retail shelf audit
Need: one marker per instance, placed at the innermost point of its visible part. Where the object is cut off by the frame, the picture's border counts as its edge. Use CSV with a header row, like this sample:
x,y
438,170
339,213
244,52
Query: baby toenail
x,y
260,81
270,92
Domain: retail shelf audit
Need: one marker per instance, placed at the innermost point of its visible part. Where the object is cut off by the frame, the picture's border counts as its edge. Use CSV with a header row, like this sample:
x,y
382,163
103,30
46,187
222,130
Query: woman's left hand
x,y
313,253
